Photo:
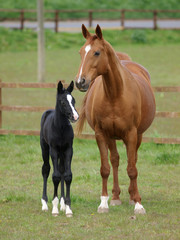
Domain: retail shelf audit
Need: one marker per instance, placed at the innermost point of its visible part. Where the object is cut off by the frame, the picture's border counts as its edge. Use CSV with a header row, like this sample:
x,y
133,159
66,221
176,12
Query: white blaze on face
x,y
87,49
75,114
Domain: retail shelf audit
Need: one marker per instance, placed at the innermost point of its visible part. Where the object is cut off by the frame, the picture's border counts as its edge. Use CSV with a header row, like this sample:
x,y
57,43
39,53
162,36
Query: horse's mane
x,y
82,114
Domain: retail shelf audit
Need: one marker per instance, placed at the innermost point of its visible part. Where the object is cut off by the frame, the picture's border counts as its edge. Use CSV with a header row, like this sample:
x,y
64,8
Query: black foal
x,y
56,139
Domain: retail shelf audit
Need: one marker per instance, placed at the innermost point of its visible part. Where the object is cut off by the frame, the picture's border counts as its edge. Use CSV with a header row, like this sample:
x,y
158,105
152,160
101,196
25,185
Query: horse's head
x,y
66,102
94,61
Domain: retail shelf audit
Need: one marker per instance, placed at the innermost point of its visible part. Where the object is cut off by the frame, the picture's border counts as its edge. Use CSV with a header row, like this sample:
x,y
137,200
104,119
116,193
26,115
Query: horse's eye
x,y
97,53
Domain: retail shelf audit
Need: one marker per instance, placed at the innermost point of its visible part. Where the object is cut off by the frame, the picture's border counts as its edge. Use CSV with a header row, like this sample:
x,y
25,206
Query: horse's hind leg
x,y
132,144
45,173
114,157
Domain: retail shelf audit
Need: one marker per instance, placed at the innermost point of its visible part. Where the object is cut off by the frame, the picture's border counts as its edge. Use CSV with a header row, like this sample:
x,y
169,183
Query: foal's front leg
x,y
56,177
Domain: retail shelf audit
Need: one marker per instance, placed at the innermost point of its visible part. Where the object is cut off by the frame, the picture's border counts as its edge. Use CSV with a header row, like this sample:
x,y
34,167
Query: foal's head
x,y
66,102
94,60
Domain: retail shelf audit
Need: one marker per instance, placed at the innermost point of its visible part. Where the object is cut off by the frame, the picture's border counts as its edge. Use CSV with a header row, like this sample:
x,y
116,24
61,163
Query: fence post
x,y
155,19
22,19
0,104
56,20
90,18
122,17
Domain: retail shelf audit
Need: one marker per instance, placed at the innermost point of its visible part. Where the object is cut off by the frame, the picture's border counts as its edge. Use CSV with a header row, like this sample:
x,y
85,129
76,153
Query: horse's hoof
x,y
131,202
139,209
102,210
115,202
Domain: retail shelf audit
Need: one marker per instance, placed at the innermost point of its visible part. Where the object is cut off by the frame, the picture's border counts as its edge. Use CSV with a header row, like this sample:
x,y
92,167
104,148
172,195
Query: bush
x,y
139,36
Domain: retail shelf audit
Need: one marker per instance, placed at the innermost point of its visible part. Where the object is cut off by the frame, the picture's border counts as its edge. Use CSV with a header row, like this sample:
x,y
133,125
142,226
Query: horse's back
x,y
137,69
142,78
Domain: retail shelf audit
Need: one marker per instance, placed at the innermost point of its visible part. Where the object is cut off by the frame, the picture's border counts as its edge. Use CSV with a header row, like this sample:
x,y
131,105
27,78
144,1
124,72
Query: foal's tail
x,y
82,116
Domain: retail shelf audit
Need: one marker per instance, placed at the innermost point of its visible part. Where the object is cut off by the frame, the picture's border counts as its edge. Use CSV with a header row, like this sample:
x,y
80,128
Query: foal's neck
x,y
59,118
113,79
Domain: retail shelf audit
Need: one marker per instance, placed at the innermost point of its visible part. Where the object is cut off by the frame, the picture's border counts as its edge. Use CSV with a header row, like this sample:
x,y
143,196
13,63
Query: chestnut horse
x,y
119,104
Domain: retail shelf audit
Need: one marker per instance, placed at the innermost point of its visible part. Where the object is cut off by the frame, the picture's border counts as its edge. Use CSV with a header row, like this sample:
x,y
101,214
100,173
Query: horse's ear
x,y
99,32
71,87
85,32
60,87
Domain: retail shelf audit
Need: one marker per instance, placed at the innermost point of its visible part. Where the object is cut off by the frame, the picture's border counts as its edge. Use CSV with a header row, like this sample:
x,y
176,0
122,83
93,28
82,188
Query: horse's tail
x,y
82,116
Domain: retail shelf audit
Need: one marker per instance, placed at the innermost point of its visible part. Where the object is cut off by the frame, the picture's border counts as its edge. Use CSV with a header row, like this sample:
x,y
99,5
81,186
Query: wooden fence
x,y
84,136
57,15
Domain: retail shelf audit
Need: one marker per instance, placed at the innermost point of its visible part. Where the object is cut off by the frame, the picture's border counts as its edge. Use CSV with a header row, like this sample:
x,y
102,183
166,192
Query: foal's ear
x,y
99,32
71,87
85,32
60,87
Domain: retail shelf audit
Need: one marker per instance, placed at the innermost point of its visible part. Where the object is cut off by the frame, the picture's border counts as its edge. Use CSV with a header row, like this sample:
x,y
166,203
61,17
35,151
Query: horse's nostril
x,y
83,81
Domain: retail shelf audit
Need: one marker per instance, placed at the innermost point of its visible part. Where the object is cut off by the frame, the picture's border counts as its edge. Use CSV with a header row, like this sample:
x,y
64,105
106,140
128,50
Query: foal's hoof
x,y
102,210
55,210
115,202
69,212
139,209
44,205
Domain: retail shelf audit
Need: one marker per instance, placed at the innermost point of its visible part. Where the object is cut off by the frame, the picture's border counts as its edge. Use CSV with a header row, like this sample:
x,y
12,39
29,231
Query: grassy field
x,y
21,189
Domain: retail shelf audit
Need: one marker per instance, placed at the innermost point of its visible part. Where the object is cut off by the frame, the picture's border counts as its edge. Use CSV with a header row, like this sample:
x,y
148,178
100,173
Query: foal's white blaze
x,y
87,49
75,114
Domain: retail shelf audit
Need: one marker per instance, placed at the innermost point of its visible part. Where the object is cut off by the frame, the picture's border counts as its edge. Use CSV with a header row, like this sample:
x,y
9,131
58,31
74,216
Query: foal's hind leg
x,y
132,143
114,157
56,177
45,173
68,178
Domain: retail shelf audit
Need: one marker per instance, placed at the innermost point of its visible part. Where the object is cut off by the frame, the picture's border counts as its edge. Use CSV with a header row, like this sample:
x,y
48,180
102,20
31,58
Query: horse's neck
x,y
59,119
113,79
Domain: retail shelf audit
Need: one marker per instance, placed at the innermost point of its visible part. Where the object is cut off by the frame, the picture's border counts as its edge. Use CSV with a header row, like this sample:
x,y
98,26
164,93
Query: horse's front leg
x,y
131,147
104,170
56,177
114,157
68,179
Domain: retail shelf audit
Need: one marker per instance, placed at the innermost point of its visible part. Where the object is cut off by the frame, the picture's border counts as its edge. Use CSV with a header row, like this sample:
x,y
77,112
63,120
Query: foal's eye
x,y
97,53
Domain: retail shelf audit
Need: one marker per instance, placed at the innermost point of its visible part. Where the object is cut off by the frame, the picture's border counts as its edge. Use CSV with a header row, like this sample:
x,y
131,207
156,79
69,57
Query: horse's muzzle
x,y
81,85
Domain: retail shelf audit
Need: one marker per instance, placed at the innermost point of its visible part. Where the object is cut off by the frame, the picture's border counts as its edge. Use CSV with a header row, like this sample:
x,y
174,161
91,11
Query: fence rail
x,y
84,135
57,15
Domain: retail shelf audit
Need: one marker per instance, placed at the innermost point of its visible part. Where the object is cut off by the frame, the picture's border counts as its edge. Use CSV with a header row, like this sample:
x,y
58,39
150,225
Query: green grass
x,y
88,4
21,188
26,40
